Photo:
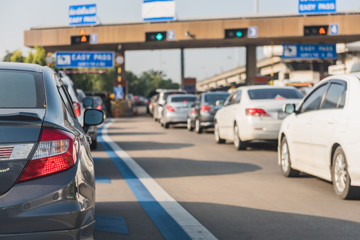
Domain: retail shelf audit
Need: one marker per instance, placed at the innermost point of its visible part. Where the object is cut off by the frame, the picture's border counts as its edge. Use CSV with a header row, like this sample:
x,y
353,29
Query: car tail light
x,y
170,109
193,111
56,152
258,112
98,107
205,108
77,109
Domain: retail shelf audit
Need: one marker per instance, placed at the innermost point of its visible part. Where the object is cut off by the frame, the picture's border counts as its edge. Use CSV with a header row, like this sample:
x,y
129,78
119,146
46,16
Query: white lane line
x,y
190,225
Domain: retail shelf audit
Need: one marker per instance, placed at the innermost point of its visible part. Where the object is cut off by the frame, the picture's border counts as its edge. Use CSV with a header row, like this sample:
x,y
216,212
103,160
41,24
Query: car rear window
x,y
212,98
171,93
274,93
21,89
183,99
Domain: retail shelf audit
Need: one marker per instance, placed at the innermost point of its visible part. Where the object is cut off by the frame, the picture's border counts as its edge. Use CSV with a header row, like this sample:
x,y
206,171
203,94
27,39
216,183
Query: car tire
x,y
285,160
341,178
93,144
166,125
238,144
198,128
218,140
189,125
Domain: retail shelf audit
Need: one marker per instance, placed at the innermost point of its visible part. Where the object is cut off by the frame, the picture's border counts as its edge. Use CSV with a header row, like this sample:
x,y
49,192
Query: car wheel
x,y
166,125
198,128
285,161
217,134
189,125
238,144
93,144
341,178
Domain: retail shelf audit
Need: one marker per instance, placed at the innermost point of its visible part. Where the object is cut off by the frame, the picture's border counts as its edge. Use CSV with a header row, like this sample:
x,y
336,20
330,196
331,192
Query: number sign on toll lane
x,y
309,51
84,59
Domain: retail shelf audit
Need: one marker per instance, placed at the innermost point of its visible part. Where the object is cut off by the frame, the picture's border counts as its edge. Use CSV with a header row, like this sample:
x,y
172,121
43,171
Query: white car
x,y
253,113
321,136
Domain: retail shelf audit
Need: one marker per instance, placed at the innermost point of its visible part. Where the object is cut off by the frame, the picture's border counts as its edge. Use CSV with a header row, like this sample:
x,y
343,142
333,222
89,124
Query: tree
x,y
148,82
17,56
7,57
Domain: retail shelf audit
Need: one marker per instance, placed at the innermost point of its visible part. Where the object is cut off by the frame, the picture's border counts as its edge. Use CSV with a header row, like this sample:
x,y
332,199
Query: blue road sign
x,y
84,59
317,6
94,38
82,15
253,32
334,29
309,51
119,92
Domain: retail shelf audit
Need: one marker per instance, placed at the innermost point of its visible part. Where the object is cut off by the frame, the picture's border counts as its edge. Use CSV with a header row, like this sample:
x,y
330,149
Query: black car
x,y
47,181
202,114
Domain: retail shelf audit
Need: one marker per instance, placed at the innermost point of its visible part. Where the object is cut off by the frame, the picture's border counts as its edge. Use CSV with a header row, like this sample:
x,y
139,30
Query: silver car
x,y
253,113
176,108
163,94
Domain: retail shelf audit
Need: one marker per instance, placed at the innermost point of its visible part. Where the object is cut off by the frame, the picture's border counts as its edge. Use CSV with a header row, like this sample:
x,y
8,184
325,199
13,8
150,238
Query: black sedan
x,y
47,182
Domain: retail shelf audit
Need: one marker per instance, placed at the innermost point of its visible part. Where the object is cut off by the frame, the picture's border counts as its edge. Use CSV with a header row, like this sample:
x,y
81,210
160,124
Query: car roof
x,y
21,66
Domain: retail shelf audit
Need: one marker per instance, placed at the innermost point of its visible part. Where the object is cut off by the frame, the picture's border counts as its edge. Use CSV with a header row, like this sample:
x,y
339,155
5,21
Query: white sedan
x,y
253,113
321,136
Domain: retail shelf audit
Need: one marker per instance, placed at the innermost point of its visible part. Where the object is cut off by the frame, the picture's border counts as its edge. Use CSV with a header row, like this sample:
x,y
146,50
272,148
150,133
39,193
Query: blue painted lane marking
x,y
96,159
99,179
167,226
111,224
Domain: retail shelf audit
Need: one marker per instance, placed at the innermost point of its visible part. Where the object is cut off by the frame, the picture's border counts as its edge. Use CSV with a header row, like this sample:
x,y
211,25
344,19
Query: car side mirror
x,y
88,102
93,117
219,103
289,108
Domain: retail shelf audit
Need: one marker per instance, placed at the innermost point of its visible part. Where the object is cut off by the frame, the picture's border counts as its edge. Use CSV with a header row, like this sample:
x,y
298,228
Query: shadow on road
x,y
142,145
233,222
177,167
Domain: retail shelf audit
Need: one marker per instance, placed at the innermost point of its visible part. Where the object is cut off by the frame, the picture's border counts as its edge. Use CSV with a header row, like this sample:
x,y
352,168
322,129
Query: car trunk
x,y
273,107
19,133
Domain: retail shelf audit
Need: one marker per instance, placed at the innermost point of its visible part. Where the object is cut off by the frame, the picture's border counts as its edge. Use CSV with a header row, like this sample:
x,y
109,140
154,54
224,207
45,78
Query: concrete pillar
x,y
251,60
182,62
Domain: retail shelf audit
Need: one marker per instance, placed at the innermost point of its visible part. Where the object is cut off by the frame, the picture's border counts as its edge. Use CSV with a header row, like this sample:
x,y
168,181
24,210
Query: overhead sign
x,y
84,59
158,10
309,51
82,15
317,6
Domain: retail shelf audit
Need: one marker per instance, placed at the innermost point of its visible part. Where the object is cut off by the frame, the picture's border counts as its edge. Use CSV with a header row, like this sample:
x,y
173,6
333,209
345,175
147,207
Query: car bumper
x,y
61,204
176,117
83,233
260,130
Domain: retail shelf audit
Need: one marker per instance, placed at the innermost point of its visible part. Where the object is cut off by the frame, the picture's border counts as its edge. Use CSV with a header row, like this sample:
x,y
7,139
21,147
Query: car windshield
x,y
274,93
212,98
21,89
183,99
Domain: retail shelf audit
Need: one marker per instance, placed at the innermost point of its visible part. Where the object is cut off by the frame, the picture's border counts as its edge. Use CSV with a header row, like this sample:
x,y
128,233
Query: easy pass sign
x,y
84,59
317,6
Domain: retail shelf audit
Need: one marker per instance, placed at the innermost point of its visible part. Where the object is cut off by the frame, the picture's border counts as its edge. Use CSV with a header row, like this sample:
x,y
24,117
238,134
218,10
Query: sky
x,y
16,16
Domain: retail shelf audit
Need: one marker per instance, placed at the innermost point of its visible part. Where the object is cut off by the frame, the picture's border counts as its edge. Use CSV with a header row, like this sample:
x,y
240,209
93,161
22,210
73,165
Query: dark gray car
x,y
47,182
202,114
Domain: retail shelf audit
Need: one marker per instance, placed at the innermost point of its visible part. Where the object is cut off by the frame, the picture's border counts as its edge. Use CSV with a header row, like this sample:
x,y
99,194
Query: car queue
x,y
316,134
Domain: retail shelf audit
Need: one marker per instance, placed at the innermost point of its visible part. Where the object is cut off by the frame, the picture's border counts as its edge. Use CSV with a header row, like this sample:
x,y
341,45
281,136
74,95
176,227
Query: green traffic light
x,y
239,34
159,36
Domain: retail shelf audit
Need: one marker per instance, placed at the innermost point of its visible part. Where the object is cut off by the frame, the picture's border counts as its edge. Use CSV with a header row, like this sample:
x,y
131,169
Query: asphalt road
x,y
233,194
